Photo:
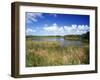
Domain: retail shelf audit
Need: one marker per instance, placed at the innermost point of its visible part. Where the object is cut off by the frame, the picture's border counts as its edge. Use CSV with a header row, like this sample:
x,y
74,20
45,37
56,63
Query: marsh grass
x,y
49,53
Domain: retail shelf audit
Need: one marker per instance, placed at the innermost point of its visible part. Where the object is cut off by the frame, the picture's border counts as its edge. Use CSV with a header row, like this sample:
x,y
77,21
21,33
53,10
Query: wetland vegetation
x,y
57,50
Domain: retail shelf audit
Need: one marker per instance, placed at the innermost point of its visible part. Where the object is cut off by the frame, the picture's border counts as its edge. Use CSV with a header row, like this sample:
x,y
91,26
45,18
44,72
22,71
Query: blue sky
x,y
43,24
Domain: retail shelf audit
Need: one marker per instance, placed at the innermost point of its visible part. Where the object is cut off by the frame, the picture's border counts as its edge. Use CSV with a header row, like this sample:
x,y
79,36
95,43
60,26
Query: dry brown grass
x,y
51,54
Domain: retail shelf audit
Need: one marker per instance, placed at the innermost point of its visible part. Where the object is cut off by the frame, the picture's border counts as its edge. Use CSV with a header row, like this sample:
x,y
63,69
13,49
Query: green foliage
x,y
85,37
30,36
72,37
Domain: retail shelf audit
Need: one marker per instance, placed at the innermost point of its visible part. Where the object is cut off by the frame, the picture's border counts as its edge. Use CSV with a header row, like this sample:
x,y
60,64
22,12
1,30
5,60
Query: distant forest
x,y
81,37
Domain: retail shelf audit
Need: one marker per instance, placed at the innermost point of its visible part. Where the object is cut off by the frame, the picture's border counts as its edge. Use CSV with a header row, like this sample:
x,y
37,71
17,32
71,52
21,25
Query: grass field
x,y
51,54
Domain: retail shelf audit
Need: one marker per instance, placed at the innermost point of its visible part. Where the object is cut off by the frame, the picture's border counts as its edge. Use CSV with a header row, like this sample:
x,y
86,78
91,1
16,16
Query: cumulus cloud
x,y
32,17
51,28
76,29
29,30
54,29
66,30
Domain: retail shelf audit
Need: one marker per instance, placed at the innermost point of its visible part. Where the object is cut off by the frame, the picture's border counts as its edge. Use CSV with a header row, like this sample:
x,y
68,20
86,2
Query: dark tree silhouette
x,y
86,36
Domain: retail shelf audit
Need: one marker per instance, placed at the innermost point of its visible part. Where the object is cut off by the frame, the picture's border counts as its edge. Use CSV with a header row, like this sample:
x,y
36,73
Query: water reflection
x,y
61,41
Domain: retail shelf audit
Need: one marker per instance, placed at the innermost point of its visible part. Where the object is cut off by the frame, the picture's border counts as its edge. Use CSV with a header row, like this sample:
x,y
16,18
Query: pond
x,y
61,41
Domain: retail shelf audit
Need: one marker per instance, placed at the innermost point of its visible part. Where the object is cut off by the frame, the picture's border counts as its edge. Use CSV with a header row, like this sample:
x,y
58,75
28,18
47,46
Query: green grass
x,y
72,37
51,54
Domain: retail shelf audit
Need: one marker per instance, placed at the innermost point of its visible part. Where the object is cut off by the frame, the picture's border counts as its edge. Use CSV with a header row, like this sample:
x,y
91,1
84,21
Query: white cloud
x,y
54,28
29,30
33,17
80,27
65,30
74,26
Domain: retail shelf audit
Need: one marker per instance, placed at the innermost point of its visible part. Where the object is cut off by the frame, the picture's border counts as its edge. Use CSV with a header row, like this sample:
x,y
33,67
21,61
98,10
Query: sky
x,y
49,24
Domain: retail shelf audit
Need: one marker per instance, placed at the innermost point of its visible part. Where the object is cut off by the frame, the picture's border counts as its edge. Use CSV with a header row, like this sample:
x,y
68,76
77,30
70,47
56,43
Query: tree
x,y
86,36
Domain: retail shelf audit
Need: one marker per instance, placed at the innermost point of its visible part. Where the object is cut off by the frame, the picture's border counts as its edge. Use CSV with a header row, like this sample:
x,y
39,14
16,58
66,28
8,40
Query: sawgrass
x,y
50,53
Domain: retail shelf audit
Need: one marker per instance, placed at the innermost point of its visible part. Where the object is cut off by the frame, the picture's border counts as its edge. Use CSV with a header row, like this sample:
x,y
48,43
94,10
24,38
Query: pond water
x,y
61,41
